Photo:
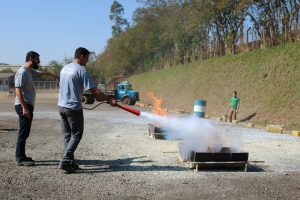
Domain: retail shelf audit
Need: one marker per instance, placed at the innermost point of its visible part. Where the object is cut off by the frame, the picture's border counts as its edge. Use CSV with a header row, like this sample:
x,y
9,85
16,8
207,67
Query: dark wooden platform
x,y
157,136
241,165
216,160
219,157
156,132
154,129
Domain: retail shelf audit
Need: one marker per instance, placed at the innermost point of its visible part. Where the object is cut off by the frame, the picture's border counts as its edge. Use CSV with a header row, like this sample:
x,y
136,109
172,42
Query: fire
x,y
157,109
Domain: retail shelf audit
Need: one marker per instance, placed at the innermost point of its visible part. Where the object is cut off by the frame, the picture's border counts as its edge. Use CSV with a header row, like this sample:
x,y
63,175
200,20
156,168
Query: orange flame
x,y
157,109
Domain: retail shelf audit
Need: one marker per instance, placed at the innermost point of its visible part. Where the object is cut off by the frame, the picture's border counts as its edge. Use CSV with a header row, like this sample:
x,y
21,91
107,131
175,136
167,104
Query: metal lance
x,y
131,110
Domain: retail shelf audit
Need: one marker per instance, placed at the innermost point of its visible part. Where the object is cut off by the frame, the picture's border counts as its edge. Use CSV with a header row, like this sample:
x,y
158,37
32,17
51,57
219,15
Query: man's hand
x,y
48,75
112,102
100,96
236,111
26,112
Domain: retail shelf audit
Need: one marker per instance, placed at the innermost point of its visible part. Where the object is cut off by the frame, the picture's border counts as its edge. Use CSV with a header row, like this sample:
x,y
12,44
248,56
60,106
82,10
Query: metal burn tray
x,y
155,129
156,132
217,160
219,157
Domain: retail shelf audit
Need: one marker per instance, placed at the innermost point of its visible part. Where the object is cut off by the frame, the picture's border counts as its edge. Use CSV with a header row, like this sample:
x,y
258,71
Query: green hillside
x,y
267,81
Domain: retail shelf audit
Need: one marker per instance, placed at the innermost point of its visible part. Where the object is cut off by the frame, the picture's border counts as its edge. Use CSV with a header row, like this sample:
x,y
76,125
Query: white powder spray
x,y
196,134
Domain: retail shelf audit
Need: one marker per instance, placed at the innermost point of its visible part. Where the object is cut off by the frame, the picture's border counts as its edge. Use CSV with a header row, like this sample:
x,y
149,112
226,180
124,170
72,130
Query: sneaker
x,y
27,161
30,159
75,166
67,167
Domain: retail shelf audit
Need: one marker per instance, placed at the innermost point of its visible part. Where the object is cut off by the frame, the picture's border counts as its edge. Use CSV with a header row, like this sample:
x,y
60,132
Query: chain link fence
x,y
4,88
46,86
40,86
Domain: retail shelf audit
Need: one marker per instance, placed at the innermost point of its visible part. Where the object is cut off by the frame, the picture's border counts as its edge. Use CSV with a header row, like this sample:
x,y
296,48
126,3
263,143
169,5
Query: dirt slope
x,y
267,81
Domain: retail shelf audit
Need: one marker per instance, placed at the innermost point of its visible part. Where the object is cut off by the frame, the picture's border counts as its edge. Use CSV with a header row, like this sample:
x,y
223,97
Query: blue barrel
x,y
199,108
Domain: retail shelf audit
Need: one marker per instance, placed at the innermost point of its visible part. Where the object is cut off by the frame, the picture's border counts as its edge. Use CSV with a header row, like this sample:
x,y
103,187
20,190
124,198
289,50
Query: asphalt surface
x,y
120,161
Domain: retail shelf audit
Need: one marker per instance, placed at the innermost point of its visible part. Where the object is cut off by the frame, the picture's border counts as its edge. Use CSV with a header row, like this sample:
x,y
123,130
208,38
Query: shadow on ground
x,y
46,162
134,164
248,117
250,168
6,130
127,164
255,168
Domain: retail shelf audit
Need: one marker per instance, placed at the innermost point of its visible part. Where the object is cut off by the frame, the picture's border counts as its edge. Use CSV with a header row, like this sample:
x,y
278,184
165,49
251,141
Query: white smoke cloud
x,y
196,134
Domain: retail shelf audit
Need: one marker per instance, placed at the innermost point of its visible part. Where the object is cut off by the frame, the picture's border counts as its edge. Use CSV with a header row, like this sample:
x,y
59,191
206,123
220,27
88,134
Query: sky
x,y
55,28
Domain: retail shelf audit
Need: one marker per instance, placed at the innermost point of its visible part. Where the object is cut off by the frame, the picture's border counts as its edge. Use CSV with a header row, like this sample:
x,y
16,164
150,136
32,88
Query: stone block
x,y
296,133
274,128
250,125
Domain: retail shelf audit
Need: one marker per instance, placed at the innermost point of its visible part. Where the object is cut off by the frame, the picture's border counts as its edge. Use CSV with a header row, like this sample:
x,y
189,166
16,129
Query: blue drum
x,y
199,108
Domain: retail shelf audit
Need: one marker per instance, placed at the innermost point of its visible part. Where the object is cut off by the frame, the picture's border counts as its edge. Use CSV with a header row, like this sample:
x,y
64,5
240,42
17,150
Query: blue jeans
x,y
24,130
72,126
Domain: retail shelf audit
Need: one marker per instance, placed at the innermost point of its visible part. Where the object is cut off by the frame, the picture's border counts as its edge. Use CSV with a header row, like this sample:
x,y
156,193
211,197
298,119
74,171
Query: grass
x,y
267,81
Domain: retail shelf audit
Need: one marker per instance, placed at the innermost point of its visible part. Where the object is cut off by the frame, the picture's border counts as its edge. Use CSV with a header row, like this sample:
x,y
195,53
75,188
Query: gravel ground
x,y
120,161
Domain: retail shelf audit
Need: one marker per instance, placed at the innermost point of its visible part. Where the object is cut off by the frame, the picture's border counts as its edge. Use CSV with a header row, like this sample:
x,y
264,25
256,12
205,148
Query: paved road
x,y
120,161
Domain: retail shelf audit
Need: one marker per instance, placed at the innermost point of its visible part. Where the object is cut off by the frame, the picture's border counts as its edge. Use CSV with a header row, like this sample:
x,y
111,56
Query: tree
x,y
170,32
54,66
96,73
116,16
7,70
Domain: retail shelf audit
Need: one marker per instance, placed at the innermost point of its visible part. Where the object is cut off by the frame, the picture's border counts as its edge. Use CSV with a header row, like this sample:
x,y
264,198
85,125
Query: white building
x,y
14,68
6,79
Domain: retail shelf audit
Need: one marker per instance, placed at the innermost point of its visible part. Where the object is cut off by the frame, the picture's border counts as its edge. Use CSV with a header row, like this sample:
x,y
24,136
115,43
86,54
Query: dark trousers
x,y
232,113
24,130
72,126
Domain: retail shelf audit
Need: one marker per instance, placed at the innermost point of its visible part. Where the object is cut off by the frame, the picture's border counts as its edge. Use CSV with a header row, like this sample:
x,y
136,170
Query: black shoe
x,y
75,166
27,161
30,159
67,167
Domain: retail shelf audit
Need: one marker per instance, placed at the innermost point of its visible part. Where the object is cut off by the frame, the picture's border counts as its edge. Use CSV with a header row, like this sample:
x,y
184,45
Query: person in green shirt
x,y
234,106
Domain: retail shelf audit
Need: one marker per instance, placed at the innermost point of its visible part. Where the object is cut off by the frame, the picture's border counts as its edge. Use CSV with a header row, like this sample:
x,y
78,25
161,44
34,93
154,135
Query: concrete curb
x,y
274,128
296,133
250,125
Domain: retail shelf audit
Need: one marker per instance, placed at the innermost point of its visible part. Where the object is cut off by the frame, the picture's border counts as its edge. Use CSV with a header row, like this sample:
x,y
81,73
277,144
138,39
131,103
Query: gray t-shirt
x,y
74,79
23,79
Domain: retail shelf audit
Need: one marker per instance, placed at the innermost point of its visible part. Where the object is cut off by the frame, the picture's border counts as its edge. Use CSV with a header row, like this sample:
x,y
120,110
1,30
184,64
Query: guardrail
x,y
4,88
40,86
46,86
